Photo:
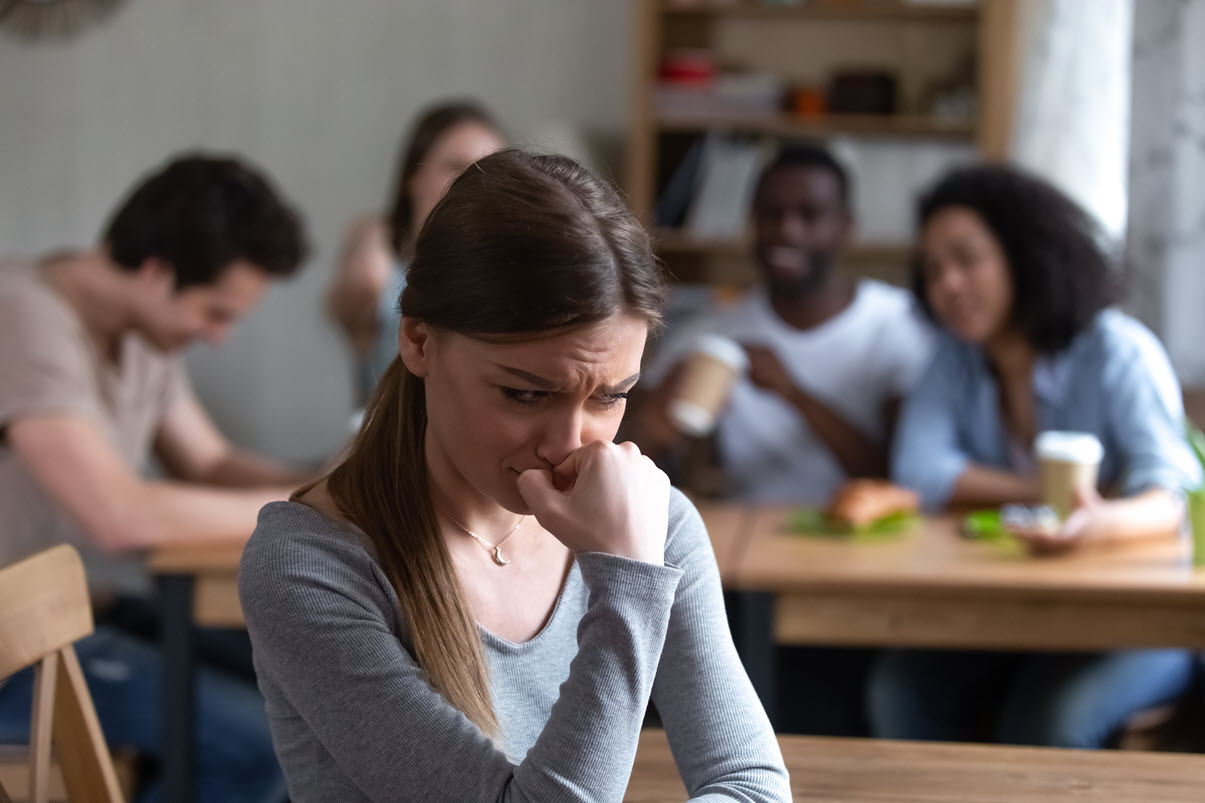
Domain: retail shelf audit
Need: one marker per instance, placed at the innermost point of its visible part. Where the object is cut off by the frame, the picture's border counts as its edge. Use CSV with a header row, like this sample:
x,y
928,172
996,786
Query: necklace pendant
x,y
501,561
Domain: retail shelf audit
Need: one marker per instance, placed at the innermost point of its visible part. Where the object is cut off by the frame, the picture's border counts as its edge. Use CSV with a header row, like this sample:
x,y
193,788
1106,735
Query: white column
x,y
1071,122
1166,238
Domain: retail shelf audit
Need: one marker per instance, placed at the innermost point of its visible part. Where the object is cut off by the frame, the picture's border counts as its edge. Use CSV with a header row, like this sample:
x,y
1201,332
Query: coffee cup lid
x,y
724,349
1072,447
690,417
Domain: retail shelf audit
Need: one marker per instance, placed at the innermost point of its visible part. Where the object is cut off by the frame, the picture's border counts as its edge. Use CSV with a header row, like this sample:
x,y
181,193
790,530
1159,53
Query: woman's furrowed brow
x,y
623,386
543,383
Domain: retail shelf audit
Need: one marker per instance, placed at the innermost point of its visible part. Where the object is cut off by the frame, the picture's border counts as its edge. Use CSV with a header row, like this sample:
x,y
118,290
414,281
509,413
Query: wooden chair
x,y
44,609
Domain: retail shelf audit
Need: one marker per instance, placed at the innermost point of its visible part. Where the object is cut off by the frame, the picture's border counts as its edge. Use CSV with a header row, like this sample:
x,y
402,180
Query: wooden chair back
x,y
44,609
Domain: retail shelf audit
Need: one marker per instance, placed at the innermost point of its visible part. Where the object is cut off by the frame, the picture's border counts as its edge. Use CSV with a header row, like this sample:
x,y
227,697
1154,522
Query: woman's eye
x,y
613,399
968,255
523,396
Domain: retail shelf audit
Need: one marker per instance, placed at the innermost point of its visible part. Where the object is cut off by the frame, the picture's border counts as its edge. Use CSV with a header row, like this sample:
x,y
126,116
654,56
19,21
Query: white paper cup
x,y
707,378
1067,462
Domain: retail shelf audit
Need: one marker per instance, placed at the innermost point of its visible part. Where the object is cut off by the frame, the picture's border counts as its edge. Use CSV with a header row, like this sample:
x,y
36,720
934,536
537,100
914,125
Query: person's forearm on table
x,y
978,485
1151,514
243,469
156,512
858,454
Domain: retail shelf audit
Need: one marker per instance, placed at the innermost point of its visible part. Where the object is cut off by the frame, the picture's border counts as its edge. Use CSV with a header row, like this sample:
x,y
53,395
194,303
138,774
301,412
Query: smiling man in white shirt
x,y
830,357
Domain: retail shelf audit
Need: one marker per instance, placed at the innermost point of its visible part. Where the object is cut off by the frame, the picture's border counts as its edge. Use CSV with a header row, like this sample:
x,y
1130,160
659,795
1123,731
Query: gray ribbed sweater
x,y
353,717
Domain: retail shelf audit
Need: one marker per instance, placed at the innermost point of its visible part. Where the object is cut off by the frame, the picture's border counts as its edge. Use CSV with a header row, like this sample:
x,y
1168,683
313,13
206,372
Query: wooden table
x,y
847,770
930,587
728,526
198,588
927,588
210,568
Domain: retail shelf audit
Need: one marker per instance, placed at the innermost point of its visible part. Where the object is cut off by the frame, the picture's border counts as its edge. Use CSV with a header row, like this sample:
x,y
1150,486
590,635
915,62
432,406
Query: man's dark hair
x,y
1061,274
813,157
200,213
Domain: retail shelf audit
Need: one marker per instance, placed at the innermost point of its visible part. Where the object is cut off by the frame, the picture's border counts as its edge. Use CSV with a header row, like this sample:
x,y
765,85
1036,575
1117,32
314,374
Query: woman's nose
x,y
560,436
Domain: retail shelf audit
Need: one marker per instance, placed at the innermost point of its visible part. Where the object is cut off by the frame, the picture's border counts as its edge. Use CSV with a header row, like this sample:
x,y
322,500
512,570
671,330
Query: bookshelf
x,y
865,125
825,9
923,47
726,261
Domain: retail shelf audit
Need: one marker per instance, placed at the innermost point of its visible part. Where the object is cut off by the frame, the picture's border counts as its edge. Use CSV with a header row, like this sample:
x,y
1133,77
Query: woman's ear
x,y
157,275
415,344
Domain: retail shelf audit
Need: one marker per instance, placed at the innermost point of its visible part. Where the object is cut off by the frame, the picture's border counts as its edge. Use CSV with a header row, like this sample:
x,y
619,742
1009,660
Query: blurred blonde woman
x,y
370,274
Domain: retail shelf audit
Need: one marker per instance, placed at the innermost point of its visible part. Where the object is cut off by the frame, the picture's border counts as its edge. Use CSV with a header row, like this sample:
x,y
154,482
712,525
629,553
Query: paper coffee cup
x,y
706,382
1067,461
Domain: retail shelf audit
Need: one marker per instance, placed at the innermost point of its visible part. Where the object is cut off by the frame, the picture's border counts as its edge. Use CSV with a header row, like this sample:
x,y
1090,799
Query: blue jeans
x,y
1050,699
235,760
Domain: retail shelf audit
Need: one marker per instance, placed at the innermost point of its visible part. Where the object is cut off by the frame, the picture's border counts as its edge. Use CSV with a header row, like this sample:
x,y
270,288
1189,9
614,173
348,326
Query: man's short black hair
x,y
1062,275
200,213
811,156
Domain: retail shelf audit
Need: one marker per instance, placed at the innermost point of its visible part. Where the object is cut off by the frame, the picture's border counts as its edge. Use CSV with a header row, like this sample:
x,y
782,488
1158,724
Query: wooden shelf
x,y
667,242
860,125
730,262
923,44
893,10
675,241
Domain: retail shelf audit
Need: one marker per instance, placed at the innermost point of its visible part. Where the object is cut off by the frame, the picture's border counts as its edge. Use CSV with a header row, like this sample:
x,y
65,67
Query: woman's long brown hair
x,y
520,245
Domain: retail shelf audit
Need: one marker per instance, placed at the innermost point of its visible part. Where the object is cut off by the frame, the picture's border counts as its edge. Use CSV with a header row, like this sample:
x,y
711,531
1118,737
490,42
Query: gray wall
x,y
317,92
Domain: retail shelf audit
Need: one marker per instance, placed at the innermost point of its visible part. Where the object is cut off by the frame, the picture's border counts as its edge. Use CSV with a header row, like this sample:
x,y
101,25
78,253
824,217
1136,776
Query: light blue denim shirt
x,y
1114,381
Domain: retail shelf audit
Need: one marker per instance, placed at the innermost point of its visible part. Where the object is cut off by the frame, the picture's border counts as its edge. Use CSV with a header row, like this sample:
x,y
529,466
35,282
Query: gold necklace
x,y
496,549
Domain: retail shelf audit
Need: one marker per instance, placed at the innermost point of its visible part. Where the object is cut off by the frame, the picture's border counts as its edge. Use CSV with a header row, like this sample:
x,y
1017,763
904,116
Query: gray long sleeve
x,y
354,718
718,731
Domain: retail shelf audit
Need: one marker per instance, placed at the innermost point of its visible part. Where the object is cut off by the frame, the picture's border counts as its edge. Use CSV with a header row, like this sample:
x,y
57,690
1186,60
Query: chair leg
x,y
88,770
40,727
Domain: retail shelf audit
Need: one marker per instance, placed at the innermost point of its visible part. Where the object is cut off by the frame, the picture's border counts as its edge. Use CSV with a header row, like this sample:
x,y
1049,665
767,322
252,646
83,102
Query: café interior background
x,y
320,93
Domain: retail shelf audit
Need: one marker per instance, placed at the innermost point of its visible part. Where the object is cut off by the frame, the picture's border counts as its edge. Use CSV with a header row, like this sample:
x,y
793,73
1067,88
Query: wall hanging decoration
x,y
36,20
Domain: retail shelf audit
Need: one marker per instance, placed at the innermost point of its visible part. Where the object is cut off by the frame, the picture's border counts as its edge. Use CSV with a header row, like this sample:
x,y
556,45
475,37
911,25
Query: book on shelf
x,y
719,208
749,95
675,198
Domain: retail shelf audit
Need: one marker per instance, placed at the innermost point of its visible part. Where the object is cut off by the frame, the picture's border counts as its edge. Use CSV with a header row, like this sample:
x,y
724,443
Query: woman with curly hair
x,y
1017,277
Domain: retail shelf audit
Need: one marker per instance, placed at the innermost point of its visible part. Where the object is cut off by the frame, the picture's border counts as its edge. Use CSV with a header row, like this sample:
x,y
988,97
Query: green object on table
x,y
1196,521
1196,499
987,527
812,521
984,525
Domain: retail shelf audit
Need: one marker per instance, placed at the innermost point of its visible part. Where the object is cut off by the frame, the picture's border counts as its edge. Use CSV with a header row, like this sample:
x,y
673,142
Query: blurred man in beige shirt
x,y
93,385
